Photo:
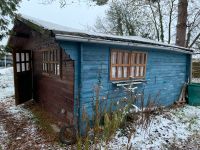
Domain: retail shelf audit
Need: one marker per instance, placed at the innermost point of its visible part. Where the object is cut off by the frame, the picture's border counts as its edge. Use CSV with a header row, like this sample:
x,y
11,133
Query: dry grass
x,y
44,121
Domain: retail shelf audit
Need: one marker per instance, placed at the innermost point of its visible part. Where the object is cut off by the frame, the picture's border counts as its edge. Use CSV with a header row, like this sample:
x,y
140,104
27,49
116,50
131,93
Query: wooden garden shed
x,y
59,67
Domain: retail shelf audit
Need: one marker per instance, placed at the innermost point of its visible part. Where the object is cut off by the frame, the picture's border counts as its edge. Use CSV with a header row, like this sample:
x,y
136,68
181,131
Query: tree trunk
x,y
181,23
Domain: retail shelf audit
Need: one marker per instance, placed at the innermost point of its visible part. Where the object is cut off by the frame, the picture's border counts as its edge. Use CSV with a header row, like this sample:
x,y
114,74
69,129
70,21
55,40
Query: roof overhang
x,y
74,38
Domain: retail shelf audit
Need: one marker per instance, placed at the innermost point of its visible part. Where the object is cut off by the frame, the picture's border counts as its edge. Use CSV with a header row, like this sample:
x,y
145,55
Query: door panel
x,y
22,76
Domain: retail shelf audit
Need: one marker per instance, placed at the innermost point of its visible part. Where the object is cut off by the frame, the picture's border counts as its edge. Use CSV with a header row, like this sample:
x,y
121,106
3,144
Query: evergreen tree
x,y
7,14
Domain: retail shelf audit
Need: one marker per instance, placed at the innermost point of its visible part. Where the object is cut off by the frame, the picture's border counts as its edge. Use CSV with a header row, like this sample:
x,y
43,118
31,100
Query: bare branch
x,y
194,41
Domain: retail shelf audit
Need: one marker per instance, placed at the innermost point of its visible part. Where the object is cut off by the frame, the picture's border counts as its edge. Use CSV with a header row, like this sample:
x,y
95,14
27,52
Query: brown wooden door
x,y
22,76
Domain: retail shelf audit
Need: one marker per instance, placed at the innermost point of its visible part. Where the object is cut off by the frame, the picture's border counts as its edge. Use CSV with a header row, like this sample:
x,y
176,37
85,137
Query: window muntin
x,y
126,64
50,63
23,61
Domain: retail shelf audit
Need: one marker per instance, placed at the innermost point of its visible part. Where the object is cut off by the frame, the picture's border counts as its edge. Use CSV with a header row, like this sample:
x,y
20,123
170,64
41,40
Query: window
x,y
125,65
23,62
50,63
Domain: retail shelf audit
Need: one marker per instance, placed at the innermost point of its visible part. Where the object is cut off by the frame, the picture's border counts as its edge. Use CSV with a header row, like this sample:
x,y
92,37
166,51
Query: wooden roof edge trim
x,y
103,41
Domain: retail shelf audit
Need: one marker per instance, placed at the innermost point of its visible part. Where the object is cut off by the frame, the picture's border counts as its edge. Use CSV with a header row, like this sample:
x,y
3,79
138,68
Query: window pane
x,y
23,67
49,59
133,58
52,56
141,71
114,57
132,73
18,67
58,69
119,59
119,72
27,66
54,69
45,67
22,57
51,67
125,72
57,55
138,59
48,56
125,59
45,56
27,57
114,70
141,58
137,71
17,57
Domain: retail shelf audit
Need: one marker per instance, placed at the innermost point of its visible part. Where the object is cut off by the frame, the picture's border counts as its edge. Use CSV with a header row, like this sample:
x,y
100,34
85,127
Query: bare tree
x,y
125,18
160,21
155,21
140,17
171,21
193,23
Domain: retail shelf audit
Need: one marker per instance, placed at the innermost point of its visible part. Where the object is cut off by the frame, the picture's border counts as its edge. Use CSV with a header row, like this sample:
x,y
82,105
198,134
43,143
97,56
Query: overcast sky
x,y
75,15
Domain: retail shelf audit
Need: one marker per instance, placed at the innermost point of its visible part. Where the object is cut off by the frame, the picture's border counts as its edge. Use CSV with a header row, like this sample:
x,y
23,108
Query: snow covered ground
x,y
179,127
18,127
6,82
173,127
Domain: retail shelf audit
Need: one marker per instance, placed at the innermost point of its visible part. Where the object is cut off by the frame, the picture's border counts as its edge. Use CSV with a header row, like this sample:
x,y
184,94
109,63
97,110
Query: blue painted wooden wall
x,y
165,75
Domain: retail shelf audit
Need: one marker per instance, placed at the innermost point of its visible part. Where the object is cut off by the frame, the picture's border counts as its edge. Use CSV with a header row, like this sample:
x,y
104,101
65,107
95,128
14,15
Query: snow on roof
x,y
63,30
48,25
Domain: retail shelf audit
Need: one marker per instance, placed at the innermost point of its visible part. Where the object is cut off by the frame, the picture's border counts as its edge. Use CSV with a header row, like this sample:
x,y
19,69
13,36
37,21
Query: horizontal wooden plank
x,y
166,73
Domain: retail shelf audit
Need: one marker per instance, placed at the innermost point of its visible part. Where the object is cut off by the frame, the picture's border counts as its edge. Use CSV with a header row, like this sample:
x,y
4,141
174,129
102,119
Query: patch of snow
x,y
19,113
6,83
176,125
3,137
49,25
196,80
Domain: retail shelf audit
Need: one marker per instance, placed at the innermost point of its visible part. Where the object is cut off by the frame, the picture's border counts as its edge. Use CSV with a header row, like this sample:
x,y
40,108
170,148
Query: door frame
x,y
16,73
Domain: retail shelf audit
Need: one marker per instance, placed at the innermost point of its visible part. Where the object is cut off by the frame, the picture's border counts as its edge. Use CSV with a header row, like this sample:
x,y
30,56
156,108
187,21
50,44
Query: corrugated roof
x,y
63,31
